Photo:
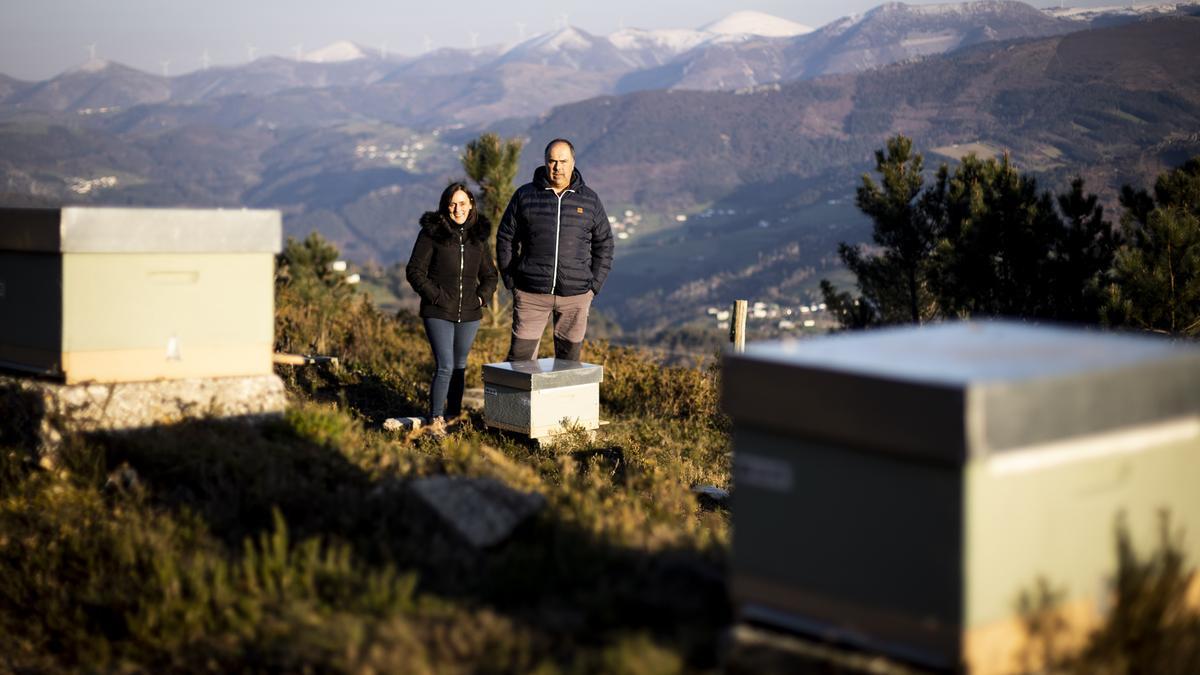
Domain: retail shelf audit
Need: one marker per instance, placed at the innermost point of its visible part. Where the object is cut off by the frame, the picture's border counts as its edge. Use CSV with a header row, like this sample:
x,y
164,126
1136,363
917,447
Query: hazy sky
x,y
41,38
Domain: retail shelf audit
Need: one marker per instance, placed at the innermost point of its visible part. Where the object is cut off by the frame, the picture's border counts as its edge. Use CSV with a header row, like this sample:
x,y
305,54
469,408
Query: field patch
x,y
1128,117
981,149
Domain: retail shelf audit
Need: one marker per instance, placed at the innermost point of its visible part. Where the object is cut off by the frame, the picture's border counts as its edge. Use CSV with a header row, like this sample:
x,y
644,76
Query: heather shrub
x,y
635,384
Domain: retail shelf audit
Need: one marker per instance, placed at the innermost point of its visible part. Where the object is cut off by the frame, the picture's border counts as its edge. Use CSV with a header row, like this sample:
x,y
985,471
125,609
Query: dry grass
x,y
298,545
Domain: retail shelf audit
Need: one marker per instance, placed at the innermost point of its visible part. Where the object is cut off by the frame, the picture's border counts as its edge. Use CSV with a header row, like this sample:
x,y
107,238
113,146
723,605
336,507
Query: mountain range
x,y
761,174
1115,106
481,85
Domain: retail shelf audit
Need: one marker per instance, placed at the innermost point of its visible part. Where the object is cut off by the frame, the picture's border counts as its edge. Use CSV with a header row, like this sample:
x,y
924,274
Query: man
x,y
554,249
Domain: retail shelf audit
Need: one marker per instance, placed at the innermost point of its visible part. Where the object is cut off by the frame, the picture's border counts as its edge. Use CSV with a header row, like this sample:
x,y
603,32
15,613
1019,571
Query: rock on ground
x,y
483,511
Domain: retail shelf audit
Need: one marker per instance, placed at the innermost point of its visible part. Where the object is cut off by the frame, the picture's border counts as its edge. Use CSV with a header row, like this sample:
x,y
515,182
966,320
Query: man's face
x,y
559,166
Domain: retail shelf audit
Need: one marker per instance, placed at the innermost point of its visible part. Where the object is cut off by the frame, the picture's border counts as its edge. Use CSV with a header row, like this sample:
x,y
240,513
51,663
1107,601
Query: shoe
x,y
437,427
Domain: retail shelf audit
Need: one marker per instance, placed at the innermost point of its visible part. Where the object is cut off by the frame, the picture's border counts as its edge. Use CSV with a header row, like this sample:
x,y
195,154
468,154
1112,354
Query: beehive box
x,y
535,398
899,489
124,294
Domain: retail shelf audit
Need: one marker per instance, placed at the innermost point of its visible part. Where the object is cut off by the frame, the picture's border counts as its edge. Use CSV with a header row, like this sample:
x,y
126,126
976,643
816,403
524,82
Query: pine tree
x,y
1005,250
996,234
850,312
492,163
304,272
1157,275
893,283
979,241
1082,260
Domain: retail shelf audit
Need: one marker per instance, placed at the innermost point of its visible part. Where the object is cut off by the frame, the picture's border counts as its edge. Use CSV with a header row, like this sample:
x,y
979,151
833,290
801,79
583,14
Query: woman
x,y
452,271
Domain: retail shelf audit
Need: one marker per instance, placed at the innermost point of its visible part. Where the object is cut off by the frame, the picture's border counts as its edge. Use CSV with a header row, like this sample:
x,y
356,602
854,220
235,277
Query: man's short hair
x,y
551,144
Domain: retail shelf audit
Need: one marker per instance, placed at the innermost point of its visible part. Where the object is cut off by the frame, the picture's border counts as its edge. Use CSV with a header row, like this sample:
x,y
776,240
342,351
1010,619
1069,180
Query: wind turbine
x,y
299,49
166,68
521,30
91,51
474,39
205,61
428,43
250,52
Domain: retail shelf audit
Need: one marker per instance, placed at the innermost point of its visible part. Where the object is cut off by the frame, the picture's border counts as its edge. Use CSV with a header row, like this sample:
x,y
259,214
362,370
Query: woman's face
x,y
460,207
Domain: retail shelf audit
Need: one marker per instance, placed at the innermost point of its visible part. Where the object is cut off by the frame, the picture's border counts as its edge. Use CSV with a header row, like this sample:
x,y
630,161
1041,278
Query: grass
x,y
220,546
300,545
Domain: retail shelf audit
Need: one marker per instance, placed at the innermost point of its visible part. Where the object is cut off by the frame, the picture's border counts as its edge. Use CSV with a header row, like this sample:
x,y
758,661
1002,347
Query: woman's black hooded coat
x,y
450,268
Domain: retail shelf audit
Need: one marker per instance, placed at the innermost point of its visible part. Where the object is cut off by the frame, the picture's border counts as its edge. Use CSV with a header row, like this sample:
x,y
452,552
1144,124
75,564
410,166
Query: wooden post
x,y
737,326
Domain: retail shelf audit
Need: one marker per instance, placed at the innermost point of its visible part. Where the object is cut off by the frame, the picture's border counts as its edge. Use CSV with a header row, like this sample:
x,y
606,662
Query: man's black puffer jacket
x,y
450,268
548,244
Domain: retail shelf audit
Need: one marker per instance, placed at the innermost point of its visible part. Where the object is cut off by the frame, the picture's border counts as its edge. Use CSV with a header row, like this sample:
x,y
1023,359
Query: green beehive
x,y
122,294
899,489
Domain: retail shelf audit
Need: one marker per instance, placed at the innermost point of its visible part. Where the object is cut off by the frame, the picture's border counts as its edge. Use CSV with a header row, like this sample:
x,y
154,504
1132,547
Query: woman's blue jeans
x,y
451,342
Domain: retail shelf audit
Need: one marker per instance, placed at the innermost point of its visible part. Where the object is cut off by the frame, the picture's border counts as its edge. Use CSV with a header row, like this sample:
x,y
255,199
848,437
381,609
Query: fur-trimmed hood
x,y
442,228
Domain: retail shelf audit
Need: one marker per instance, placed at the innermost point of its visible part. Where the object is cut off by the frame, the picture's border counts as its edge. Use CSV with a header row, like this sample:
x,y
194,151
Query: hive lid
x,y
542,374
956,390
87,229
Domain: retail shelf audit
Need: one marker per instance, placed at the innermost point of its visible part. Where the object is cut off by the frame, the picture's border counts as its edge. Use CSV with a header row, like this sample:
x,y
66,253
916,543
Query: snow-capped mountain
x,y
756,23
496,81
655,47
888,33
649,48
337,52
1093,13
569,47
641,48
896,31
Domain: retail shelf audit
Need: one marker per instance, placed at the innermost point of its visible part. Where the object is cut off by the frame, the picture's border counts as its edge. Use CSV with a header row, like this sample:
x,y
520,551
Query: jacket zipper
x,y
461,265
557,229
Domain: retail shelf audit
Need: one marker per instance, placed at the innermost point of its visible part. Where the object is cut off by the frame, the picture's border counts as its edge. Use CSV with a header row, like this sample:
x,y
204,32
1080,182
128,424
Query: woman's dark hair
x,y
448,194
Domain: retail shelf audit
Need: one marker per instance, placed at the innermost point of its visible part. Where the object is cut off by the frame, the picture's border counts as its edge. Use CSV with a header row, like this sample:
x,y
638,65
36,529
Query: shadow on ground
x,y
549,574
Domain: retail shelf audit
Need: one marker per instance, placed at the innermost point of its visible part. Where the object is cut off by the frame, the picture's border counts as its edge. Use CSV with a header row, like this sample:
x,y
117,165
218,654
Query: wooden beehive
x,y
536,397
127,294
899,489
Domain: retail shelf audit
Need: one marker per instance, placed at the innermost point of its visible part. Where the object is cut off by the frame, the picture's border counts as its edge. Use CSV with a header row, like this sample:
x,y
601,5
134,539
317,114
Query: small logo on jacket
x,y
578,209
